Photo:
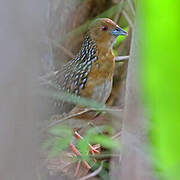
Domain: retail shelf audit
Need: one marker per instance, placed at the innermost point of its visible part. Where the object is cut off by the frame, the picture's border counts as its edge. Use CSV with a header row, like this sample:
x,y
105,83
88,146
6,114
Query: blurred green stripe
x,y
159,27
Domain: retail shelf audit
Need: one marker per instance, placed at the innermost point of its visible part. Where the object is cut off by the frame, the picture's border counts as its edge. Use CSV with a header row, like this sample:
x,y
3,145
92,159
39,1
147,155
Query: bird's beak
x,y
118,31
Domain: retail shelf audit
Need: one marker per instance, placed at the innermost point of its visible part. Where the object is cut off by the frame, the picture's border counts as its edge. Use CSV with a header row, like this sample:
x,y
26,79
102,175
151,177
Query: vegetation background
x,y
146,86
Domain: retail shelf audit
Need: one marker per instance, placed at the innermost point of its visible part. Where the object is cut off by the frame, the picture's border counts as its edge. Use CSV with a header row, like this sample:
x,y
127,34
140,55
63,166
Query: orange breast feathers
x,y
99,83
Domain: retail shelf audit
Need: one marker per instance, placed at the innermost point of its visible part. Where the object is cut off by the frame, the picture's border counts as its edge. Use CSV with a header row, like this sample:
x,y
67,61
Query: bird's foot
x,y
93,149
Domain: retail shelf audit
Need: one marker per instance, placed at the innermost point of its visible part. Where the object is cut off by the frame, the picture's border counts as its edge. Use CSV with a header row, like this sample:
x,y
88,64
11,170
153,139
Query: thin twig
x,y
131,7
128,19
95,173
121,58
103,155
82,112
117,135
65,50
68,117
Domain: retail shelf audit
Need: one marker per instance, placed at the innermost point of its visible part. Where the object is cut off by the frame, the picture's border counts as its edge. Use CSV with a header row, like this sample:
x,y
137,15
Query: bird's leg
x,y
77,153
93,150
77,168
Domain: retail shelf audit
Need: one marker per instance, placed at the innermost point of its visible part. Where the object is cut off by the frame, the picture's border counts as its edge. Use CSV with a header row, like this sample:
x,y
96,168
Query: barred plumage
x,y
90,73
73,76
76,71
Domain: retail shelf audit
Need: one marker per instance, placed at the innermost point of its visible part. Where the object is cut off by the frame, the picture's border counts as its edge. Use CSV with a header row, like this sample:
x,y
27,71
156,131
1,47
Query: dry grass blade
x,y
120,8
82,28
106,109
68,117
93,174
131,6
82,112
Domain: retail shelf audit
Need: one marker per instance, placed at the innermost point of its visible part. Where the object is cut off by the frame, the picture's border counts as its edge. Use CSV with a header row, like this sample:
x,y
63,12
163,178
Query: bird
x,y
90,73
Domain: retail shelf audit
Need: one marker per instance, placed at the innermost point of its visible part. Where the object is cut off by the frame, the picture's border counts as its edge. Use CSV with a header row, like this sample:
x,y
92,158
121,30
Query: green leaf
x,y
74,99
83,147
60,140
59,145
105,141
99,130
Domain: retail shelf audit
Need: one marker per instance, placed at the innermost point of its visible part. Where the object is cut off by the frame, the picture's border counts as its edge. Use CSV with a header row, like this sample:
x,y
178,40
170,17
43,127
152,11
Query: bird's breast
x,y
99,82
102,91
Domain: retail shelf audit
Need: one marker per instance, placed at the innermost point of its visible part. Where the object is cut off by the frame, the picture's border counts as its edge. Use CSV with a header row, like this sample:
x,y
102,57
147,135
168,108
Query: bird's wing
x,y
77,71
52,84
72,76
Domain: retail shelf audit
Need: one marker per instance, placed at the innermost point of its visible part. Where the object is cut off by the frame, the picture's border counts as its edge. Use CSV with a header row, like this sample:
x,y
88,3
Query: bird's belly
x,y
102,91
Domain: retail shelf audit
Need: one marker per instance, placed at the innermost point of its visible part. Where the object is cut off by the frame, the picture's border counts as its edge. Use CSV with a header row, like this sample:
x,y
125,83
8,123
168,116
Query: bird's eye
x,y
104,28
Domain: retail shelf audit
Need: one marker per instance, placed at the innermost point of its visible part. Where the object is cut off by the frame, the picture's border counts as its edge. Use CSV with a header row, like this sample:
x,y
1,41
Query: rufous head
x,y
104,30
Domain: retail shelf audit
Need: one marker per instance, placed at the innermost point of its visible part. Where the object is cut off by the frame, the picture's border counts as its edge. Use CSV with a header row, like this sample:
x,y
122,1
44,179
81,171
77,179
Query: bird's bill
x,y
118,31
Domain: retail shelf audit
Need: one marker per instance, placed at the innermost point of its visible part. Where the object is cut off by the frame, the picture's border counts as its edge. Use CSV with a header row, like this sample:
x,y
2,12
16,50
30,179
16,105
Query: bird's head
x,y
104,30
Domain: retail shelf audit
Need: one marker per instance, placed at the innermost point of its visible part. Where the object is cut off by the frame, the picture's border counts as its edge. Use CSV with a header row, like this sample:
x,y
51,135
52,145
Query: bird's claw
x,y
93,150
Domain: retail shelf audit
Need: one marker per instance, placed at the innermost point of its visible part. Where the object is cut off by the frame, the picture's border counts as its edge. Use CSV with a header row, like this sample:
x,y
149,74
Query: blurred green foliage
x,y
95,136
59,140
74,99
61,136
159,30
